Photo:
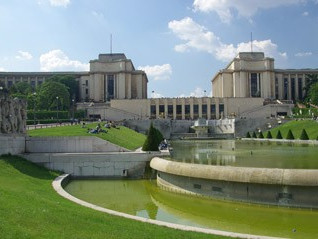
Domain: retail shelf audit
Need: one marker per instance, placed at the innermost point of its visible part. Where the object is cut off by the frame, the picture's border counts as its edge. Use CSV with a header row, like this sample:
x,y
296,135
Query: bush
x,y
254,135
248,135
153,139
261,136
269,135
290,135
304,135
279,135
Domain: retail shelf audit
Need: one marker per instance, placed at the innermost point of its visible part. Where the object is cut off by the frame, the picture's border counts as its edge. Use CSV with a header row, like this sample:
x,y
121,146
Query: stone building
x,y
111,76
251,74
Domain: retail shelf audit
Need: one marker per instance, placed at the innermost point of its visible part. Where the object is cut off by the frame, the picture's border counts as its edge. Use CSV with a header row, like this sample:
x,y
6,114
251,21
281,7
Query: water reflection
x,y
143,198
246,154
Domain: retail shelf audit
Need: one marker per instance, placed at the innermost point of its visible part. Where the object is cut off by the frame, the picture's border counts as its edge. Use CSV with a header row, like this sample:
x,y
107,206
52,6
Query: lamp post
x,y
73,109
57,108
34,99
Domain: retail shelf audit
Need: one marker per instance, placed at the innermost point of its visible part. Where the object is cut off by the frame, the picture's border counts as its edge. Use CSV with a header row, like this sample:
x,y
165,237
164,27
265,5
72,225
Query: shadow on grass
x,y
29,168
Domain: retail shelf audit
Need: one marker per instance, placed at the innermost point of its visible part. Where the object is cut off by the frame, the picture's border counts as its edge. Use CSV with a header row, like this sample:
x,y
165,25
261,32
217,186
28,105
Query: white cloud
x,y
199,38
305,14
247,8
57,60
197,92
23,55
158,72
60,3
156,95
2,69
98,15
303,54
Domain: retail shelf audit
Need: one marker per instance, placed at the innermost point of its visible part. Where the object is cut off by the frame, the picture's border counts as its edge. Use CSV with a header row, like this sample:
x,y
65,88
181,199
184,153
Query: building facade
x,y
253,75
111,76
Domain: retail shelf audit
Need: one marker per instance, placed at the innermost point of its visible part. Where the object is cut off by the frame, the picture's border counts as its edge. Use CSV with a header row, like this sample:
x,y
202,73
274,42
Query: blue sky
x,y
181,44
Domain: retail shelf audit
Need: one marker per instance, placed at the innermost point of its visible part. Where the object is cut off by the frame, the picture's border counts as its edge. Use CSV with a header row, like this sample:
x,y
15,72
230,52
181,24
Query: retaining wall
x,y
13,144
125,164
74,144
286,187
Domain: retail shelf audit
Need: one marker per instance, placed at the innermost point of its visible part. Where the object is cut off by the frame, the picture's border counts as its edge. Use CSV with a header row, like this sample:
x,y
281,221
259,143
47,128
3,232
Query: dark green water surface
x,y
246,154
143,197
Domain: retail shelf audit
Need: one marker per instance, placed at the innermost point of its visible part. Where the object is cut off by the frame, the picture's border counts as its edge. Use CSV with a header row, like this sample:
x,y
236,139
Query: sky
x,y
180,44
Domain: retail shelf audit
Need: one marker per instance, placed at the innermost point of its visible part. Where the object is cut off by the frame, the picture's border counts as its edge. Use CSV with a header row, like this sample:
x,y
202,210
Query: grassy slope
x,y
123,136
30,208
297,126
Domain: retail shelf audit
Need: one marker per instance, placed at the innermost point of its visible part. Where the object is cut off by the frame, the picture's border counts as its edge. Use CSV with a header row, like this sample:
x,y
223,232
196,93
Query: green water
x,y
143,198
246,154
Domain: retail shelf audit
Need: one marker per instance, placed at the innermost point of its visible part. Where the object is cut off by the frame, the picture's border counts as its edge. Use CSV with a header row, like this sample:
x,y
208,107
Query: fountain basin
x,y
283,187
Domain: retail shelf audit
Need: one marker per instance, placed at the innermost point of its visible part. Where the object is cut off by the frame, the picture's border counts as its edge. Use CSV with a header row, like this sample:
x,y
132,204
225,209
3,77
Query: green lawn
x,y
311,127
30,208
122,136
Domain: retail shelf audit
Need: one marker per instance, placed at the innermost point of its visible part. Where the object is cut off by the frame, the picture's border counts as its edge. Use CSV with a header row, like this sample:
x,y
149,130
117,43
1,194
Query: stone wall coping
x,y
274,176
57,185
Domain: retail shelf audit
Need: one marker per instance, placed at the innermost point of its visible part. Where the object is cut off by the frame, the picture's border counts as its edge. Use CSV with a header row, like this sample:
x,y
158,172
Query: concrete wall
x,y
126,164
287,187
12,144
70,145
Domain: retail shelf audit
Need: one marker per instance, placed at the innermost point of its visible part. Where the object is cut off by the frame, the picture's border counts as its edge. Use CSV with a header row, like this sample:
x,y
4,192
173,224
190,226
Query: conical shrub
x,y
153,139
248,135
254,135
261,136
279,135
290,135
304,135
269,135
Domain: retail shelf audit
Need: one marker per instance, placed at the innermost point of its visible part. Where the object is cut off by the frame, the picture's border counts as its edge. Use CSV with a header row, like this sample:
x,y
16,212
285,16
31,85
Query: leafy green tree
x,y
279,135
304,135
70,82
20,88
261,136
153,139
269,135
248,135
311,79
52,95
290,135
254,135
313,94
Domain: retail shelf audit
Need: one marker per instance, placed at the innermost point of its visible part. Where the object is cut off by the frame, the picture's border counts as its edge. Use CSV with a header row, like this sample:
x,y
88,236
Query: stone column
x,y
296,87
183,108
289,88
208,103
157,108
200,107
217,102
166,108
174,105
191,108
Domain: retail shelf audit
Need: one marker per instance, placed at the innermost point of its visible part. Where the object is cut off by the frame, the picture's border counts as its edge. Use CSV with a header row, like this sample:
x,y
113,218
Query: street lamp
x,y
57,108
73,109
34,99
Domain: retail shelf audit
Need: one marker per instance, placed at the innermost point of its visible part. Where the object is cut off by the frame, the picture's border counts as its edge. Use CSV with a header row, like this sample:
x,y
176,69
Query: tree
x,y
311,79
248,135
261,136
290,135
254,135
313,94
279,135
20,88
70,82
269,135
304,135
153,139
48,93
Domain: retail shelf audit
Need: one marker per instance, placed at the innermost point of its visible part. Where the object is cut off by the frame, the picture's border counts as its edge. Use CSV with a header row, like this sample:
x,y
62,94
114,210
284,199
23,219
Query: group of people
x,y
98,129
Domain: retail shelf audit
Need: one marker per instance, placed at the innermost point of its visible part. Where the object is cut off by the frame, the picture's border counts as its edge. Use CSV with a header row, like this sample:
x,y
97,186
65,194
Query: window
x,y
86,82
255,85
110,87
187,109
170,110
196,109
285,88
197,186
161,108
276,88
204,109
221,108
10,83
292,86
153,110
179,109
86,91
300,88
213,109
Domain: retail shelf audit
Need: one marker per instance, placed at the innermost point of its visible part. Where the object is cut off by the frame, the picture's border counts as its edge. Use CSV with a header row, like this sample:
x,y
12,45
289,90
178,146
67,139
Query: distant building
x,y
251,74
111,76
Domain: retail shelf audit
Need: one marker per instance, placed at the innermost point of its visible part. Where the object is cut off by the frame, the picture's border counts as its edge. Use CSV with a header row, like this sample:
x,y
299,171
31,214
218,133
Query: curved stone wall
x,y
287,187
